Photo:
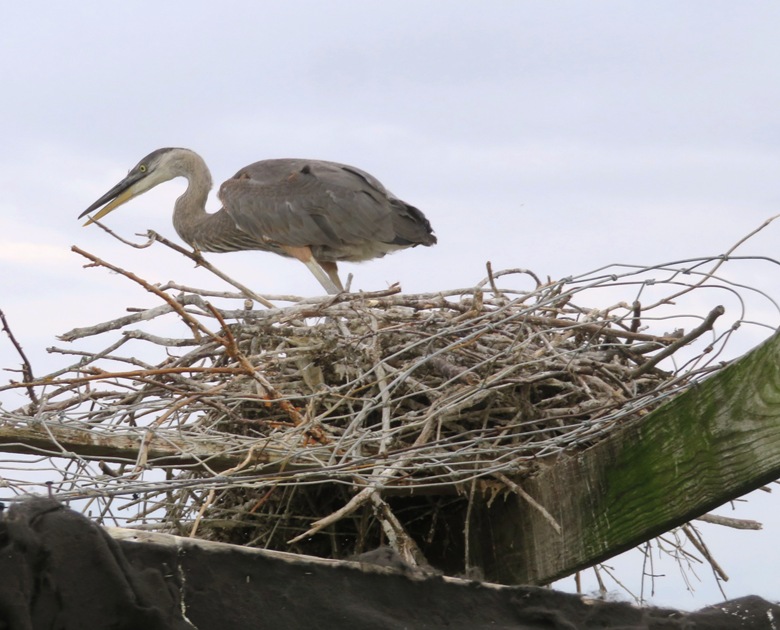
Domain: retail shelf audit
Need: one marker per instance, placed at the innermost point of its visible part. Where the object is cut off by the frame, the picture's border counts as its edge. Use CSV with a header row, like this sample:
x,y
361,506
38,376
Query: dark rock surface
x,y
59,570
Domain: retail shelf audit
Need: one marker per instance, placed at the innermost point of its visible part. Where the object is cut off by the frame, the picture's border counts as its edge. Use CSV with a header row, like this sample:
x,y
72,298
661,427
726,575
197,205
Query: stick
x,y
736,523
522,493
193,324
682,341
702,549
353,504
197,257
27,373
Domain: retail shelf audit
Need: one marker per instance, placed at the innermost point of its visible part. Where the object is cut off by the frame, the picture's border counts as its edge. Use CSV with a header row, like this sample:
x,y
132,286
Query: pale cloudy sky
x,y
560,137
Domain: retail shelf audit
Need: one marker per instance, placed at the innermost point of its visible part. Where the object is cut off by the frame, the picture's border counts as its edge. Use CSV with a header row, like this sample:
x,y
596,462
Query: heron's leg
x,y
323,277
305,256
332,269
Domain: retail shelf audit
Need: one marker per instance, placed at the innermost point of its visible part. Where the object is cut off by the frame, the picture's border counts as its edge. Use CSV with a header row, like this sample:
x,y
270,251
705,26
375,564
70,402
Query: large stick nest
x,y
371,418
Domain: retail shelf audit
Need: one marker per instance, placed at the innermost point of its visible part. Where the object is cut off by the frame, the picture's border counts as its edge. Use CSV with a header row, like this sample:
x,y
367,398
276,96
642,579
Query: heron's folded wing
x,y
309,202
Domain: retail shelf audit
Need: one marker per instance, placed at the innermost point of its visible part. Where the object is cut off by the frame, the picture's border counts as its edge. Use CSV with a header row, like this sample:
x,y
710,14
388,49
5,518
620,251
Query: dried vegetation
x,y
332,425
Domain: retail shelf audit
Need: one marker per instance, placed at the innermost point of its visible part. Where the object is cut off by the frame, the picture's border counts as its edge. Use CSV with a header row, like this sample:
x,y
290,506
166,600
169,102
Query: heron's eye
x,y
142,168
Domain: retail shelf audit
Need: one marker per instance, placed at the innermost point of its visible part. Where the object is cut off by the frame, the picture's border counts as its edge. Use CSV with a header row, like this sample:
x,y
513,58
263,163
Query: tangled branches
x,y
369,416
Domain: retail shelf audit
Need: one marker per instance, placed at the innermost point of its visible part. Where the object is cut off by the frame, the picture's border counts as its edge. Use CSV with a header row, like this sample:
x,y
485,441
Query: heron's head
x,y
157,167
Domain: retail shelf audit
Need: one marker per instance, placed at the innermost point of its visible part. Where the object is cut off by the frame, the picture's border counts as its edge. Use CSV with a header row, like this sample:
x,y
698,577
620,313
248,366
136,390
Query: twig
x,y
119,323
198,258
124,241
193,324
229,342
533,503
131,374
27,373
636,318
399,538
599,329
345,510
201,511
492,280
736,523
702,549
682,341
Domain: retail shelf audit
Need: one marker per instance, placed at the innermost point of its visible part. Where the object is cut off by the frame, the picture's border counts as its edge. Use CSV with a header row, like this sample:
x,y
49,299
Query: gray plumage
x,y
318,212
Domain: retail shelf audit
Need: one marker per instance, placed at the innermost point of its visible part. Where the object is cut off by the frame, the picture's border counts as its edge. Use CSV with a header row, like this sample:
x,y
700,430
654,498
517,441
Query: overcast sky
x,y
559,137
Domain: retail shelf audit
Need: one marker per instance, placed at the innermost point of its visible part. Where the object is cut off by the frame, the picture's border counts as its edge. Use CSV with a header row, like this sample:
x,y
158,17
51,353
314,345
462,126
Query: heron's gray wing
x,y
309,203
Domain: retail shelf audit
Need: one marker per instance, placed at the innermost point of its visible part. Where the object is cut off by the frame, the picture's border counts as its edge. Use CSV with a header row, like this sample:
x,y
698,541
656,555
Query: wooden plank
x,y
159,449
716,442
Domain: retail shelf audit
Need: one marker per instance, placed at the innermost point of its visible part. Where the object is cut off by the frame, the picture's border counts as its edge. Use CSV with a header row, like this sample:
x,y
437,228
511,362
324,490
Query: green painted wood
x,y
717,441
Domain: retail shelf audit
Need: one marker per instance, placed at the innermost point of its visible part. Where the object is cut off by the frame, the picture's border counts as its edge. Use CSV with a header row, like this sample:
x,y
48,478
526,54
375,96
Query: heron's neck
x,y
189,212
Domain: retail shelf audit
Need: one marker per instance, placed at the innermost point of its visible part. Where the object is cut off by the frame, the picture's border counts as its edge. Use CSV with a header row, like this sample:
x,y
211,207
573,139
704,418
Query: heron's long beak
x,y
131,186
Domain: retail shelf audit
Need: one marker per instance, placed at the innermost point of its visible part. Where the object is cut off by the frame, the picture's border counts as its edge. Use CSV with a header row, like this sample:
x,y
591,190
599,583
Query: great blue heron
x,y
318,212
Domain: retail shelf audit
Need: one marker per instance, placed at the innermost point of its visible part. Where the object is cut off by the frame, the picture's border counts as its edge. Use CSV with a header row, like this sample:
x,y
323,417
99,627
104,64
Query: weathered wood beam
x,y
158,450
716,442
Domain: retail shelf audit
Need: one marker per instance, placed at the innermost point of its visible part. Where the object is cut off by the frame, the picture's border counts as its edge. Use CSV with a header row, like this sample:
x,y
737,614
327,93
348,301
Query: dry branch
x,y
27,373
736,523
